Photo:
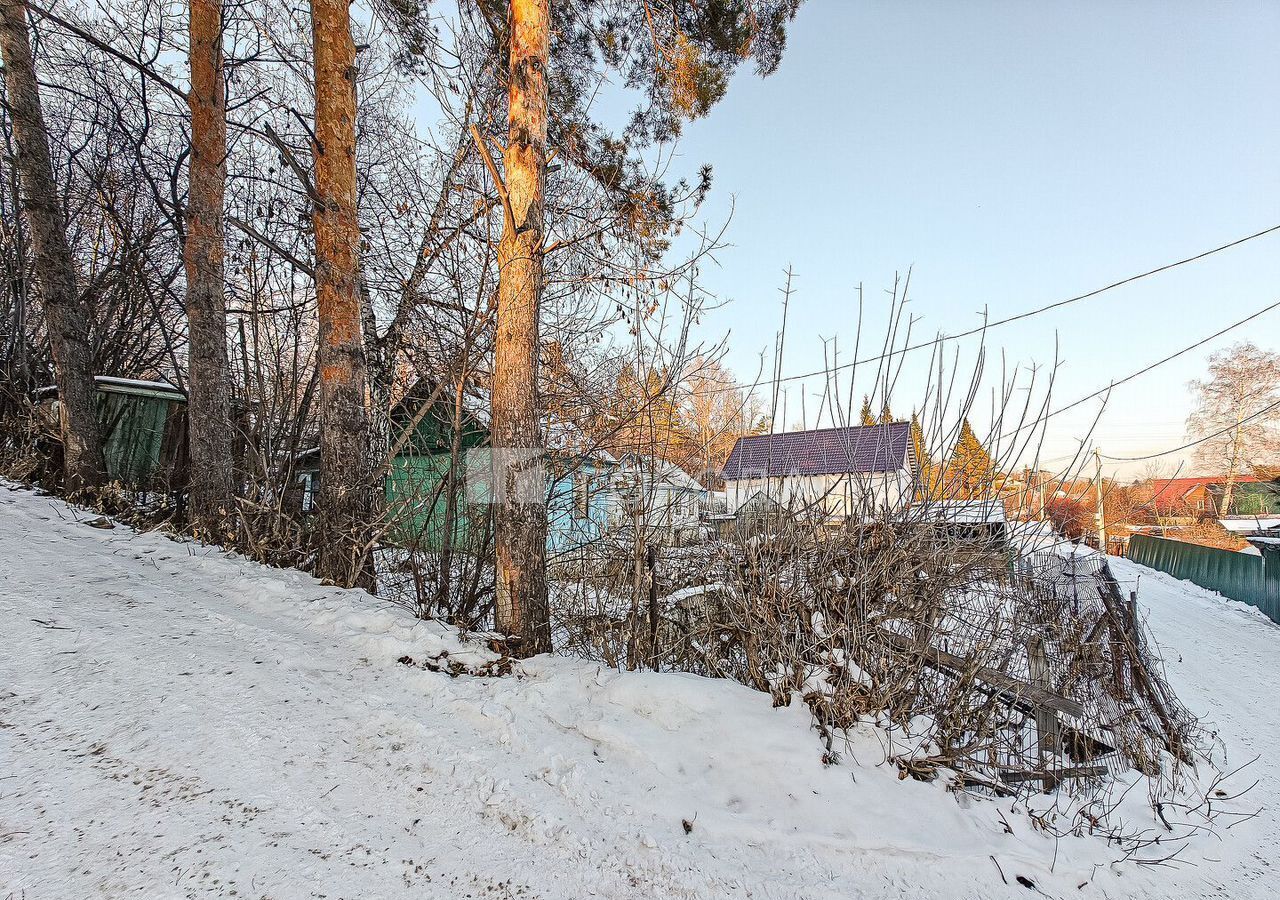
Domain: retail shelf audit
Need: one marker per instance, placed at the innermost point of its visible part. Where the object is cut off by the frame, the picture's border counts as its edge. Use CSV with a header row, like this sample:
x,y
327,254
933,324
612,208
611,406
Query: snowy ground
x,y
180,723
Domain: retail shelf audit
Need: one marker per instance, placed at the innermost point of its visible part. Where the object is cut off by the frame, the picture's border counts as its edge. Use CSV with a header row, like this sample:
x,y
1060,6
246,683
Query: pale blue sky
x,y
1013,153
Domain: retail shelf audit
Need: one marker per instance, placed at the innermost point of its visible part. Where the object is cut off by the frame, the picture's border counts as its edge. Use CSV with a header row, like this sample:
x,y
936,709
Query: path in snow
x,y
180,723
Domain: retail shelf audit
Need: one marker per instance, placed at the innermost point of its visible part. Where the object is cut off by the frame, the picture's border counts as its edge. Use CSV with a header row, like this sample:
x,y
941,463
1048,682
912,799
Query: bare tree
x,y
1237,411
54,268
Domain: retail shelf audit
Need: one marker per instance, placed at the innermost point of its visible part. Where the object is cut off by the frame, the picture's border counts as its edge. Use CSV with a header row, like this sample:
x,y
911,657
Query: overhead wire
x,y
1208,437
986,326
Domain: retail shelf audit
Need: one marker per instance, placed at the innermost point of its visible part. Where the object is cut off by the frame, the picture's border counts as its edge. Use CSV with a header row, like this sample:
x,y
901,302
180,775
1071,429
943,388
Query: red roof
x,y
1169,492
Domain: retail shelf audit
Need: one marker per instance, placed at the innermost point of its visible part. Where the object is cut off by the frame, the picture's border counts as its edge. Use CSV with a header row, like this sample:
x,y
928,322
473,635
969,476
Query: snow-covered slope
x,y
178,722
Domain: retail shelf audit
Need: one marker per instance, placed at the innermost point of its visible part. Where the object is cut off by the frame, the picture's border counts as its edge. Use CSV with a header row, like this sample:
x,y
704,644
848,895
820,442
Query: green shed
x,y
417,481
417,486
144,430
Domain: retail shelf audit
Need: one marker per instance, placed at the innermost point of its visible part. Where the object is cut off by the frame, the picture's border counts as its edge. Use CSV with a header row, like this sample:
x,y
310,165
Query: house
x,y
837,472
665,499
436,499
583,504
1190,497
1249,497
144,430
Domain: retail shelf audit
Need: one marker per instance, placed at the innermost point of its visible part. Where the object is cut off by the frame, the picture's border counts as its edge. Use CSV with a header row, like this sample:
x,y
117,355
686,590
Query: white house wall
x,y
836,494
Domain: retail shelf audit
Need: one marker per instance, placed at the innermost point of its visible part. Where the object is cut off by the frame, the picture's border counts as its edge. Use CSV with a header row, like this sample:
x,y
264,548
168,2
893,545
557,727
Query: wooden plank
x,y
1055,775
1009,688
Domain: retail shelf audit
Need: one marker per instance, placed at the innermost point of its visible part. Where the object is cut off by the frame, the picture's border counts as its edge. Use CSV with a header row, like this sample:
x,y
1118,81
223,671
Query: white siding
x,y
836,494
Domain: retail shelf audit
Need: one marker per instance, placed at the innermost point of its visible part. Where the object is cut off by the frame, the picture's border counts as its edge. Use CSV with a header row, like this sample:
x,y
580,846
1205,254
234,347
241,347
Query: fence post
x,y
1133,617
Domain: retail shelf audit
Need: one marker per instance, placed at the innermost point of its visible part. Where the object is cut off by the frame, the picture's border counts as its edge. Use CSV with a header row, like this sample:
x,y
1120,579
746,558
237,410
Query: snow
x,y
125,385
179,722
1250,524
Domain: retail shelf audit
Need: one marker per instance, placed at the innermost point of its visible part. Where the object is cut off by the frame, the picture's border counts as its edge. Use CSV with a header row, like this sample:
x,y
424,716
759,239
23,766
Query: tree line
x,y
295,214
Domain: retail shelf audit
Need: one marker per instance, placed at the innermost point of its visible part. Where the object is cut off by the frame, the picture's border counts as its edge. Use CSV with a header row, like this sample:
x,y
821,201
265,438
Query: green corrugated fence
x,y
1241,576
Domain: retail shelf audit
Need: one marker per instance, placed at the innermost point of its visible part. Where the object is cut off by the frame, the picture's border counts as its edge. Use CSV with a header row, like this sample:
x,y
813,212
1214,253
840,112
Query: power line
x,y
1024,315
1143,371
1208,437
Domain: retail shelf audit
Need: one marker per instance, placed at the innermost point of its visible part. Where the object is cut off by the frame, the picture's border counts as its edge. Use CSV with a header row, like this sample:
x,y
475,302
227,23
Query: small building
x,y
974,524
836,472
583,504
1193,497
434,499
144,430
667,500
425,486
760,515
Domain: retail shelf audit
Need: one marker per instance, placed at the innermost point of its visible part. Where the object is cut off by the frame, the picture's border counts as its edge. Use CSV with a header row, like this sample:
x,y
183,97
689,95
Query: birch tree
x,y
1236,414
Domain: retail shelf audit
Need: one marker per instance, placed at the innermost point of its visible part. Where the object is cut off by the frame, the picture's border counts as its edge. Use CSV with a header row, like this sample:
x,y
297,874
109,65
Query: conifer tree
x,y
970,471
928,471
209,428
680,59
868,417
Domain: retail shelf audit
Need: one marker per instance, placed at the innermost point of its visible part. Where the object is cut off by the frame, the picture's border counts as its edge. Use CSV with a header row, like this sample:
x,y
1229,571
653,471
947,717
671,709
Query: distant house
x,y
1249,498
838,472
1194,497
667,499
583,503
144,430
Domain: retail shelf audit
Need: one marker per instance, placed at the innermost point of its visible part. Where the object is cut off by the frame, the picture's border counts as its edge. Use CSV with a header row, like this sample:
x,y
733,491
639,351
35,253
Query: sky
x,y
1010,155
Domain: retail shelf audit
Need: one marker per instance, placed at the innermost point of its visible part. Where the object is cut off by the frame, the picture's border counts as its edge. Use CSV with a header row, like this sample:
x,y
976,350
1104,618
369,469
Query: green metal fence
x,y
1241,576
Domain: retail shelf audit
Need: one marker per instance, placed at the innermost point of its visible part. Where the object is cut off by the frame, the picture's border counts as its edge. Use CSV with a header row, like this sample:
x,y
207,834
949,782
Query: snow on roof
x,y
1249,524
662,470
112,384
967,512
825,451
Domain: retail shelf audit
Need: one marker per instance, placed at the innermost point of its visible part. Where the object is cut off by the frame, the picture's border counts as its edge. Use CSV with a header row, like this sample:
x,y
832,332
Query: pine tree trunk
x,y
520,518
65,314
346,492
209,384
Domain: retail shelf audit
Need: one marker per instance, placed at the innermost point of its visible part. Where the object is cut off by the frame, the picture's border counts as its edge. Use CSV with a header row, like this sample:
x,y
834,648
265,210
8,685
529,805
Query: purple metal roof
x,y
826,451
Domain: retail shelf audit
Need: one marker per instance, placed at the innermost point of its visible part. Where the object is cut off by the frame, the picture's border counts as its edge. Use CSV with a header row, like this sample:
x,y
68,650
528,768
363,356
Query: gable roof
x,y
659,472
861,449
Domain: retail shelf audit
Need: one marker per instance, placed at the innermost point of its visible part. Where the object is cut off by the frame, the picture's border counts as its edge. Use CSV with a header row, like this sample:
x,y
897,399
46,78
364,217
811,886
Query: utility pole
x,y
1026,493
1099,517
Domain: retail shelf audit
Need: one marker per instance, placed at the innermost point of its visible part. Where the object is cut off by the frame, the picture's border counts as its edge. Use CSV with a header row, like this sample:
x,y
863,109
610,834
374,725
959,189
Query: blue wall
x,y
569,524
